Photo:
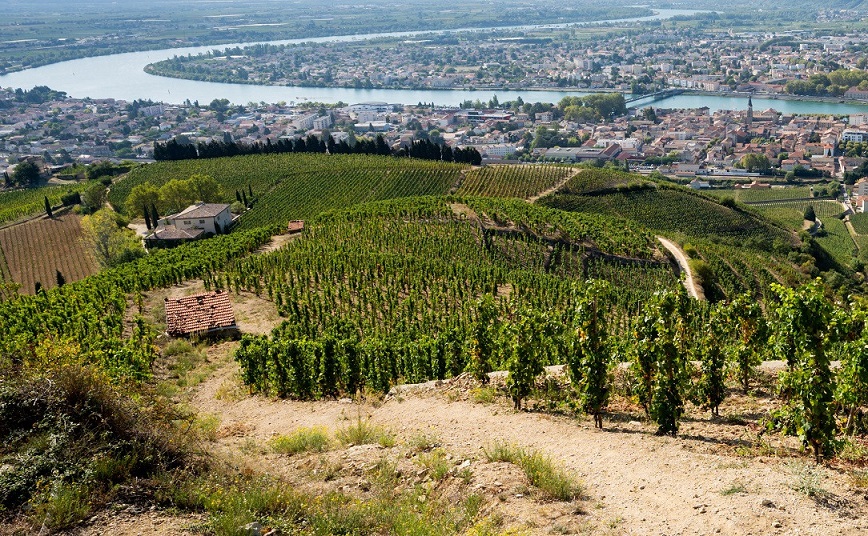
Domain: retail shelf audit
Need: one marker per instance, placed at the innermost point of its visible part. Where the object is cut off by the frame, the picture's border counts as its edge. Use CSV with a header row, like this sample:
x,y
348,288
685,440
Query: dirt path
x,y
277,242
637,483
692,288
554,188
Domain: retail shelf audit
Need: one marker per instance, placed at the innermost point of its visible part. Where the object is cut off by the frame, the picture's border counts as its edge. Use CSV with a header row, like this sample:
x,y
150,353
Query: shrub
x,y
69,429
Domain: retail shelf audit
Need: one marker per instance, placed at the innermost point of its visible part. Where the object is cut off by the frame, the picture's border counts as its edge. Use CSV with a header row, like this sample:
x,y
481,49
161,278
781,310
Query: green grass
x,y
552,481
435,463
230,503
302,440
733,489
362,432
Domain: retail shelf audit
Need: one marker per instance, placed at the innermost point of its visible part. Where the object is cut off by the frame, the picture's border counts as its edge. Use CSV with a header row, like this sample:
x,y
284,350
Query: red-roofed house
x,y
200,314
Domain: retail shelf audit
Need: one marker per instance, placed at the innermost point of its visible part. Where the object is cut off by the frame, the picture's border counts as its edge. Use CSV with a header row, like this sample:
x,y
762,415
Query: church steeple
x,y
749,110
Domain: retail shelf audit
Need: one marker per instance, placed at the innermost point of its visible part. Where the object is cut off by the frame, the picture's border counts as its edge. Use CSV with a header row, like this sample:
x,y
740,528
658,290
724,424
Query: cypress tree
x,y
60,279
48,208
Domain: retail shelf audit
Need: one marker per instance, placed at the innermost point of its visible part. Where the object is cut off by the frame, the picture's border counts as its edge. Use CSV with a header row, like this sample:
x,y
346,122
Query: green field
x,y
837,241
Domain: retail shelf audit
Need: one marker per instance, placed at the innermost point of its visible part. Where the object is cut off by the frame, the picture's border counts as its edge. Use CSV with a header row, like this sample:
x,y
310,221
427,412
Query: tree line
x,y
422,149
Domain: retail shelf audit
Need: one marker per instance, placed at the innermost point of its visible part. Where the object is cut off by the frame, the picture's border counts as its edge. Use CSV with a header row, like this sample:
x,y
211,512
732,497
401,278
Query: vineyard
x,y
512,181
364,284
600,181
860,222
837,242
89,314
738,271
791,214
298,186
36,250
669,210
757,195
18,204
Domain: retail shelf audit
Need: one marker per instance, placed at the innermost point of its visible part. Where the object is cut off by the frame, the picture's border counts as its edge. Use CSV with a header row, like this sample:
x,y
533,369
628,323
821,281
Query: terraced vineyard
x,y
369,272
791,214
512,181
860,222
739,270
837,241
298,186
594,180
673,210
17,204
763,194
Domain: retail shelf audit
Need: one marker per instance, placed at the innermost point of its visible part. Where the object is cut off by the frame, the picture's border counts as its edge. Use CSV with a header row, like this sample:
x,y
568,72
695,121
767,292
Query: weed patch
x,y
542,473
302,440
363,432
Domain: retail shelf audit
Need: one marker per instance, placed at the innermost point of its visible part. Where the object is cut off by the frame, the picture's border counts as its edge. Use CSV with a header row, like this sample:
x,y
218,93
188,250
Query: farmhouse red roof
x,y
199,313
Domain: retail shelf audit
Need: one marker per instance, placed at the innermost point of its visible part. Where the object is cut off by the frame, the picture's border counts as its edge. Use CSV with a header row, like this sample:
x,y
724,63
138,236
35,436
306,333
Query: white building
x,y
854,135
378,107
205,217
321,122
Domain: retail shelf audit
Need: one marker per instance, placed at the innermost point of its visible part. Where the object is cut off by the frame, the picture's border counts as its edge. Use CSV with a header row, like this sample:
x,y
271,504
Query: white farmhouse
x,y
205,217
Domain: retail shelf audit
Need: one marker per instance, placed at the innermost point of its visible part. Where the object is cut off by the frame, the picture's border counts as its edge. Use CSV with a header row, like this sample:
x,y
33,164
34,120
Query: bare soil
x,y
36,249
717,477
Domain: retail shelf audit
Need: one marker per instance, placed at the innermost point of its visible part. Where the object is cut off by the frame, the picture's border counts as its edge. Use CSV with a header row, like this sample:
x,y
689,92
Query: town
x,y
56,132
637,60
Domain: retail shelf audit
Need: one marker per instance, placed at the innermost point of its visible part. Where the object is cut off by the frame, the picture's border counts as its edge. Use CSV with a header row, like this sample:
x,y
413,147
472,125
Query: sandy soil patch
x,y
636,482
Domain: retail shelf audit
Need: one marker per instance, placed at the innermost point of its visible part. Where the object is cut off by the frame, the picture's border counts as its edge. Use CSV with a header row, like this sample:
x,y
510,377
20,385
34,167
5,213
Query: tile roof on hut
x,y
200,313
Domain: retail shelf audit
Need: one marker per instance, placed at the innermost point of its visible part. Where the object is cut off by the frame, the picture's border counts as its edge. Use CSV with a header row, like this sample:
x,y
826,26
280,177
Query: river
x,y
122,76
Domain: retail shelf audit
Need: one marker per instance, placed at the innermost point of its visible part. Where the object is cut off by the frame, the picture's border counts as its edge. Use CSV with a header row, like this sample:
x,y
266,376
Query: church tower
x,y
749,111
